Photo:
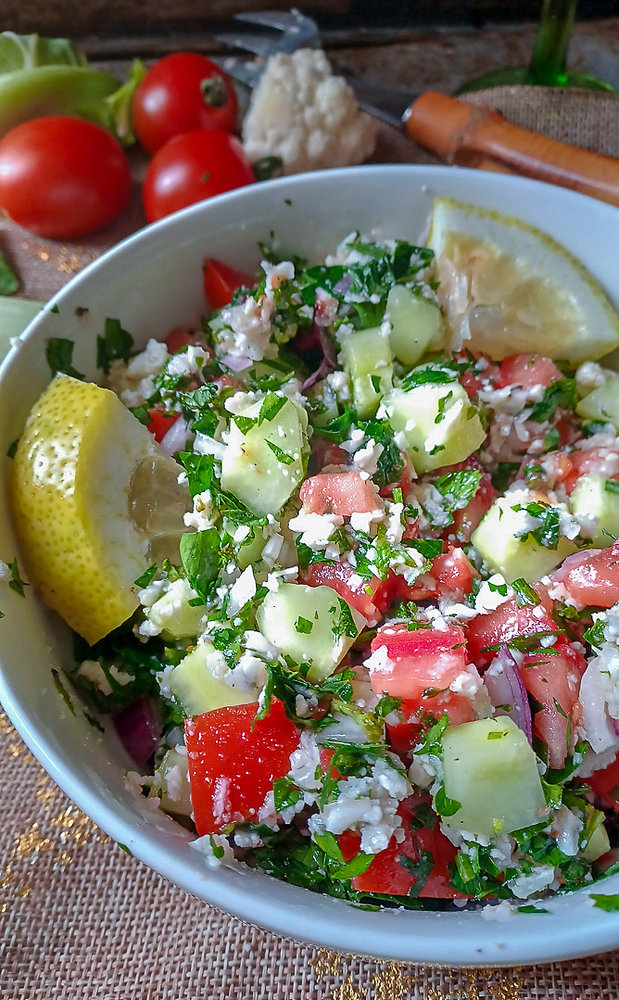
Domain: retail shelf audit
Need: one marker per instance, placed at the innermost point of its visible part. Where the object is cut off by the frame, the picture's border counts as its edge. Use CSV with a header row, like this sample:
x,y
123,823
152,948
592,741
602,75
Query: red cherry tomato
x,y
192,167
180,93
62,177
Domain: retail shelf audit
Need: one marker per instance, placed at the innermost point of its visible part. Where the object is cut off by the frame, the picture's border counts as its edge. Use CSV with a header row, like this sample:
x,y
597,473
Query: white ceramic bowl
x,y
152,282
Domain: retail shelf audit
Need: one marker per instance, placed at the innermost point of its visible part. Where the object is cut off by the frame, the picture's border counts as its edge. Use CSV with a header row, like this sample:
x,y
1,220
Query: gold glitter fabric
x,y
82,920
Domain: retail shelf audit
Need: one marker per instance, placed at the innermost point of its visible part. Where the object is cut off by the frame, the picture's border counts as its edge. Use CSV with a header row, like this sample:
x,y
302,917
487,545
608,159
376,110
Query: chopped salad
x,y
383,661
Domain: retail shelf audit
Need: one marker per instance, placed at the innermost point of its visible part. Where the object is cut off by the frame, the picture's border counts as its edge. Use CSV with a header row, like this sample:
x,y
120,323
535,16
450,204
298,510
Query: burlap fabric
x,y
81,920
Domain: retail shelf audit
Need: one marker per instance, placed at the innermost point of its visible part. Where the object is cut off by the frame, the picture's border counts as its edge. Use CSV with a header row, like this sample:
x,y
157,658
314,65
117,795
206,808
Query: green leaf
x,y
271,405
444,805
611,486
16,583
285,794
116,344
458,488
32,51
561,394
524,593
59,356
201,559
280,455
144,580
9,282
303,625
118,105
604,901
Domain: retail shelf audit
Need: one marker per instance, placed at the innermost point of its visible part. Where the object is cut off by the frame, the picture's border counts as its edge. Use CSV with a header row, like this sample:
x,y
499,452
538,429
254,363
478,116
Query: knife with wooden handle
x,y
473,136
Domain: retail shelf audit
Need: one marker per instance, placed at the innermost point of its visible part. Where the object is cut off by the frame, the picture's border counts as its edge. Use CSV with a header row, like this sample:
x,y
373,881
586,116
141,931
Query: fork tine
x,y
282,20
260,45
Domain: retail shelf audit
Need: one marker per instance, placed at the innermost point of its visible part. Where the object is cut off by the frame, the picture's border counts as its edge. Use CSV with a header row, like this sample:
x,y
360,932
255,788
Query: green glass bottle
x,y
548,65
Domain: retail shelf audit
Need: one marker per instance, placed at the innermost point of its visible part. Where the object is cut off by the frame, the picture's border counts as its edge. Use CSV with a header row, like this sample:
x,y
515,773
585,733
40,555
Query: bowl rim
x,y
560,938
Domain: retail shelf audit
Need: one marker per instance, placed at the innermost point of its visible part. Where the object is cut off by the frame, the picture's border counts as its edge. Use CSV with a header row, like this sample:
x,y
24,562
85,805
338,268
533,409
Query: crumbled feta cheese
x,y
201,517
241,592
315,529
492,594
215,849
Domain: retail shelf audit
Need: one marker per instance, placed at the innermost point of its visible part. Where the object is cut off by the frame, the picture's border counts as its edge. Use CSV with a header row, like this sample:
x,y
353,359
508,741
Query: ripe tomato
x,y
370,597
527,370
553,679
160,423
62,177
221,282
387,874
180,93
421,665
192,167
508,621
342,493
595,581
233,761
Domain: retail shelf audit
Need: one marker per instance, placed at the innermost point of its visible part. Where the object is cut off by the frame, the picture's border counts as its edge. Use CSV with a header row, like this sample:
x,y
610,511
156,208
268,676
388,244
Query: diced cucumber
x,y
366,356
497,542
417,324
197,690
592,497
250,549
491,770
598,843
438,423
310,625
173,614
264,465
173,780
602,403
322,403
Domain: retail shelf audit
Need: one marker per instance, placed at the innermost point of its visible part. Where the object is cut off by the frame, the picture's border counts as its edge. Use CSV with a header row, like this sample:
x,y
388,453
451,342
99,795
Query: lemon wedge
x,y
93,497
508,288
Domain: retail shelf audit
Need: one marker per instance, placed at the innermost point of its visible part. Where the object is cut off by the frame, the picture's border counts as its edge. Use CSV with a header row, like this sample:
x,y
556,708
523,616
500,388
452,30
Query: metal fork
x,y
285,31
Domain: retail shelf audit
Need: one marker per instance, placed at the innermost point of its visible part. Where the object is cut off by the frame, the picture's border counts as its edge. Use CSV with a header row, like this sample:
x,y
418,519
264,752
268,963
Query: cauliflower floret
x,y
307,116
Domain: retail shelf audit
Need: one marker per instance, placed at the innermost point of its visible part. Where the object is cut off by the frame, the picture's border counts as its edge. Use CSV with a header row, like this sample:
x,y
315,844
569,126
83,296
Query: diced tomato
x,y
528,370
369,597
467,518
506,622
421,664
342,493
404,735
472,383
221,282
605,785
160,423
326,453
179,337
234,760
386,874
601,460
595,581
553,679
452,573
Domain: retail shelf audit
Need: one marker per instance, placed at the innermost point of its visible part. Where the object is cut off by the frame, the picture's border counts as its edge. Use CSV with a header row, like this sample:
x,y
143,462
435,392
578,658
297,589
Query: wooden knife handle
x,y
468,135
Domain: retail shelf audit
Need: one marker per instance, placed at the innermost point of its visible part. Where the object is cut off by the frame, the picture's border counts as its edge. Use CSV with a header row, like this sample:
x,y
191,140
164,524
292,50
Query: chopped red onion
x,y
322,340
236,362
139,729
507,691
175,437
